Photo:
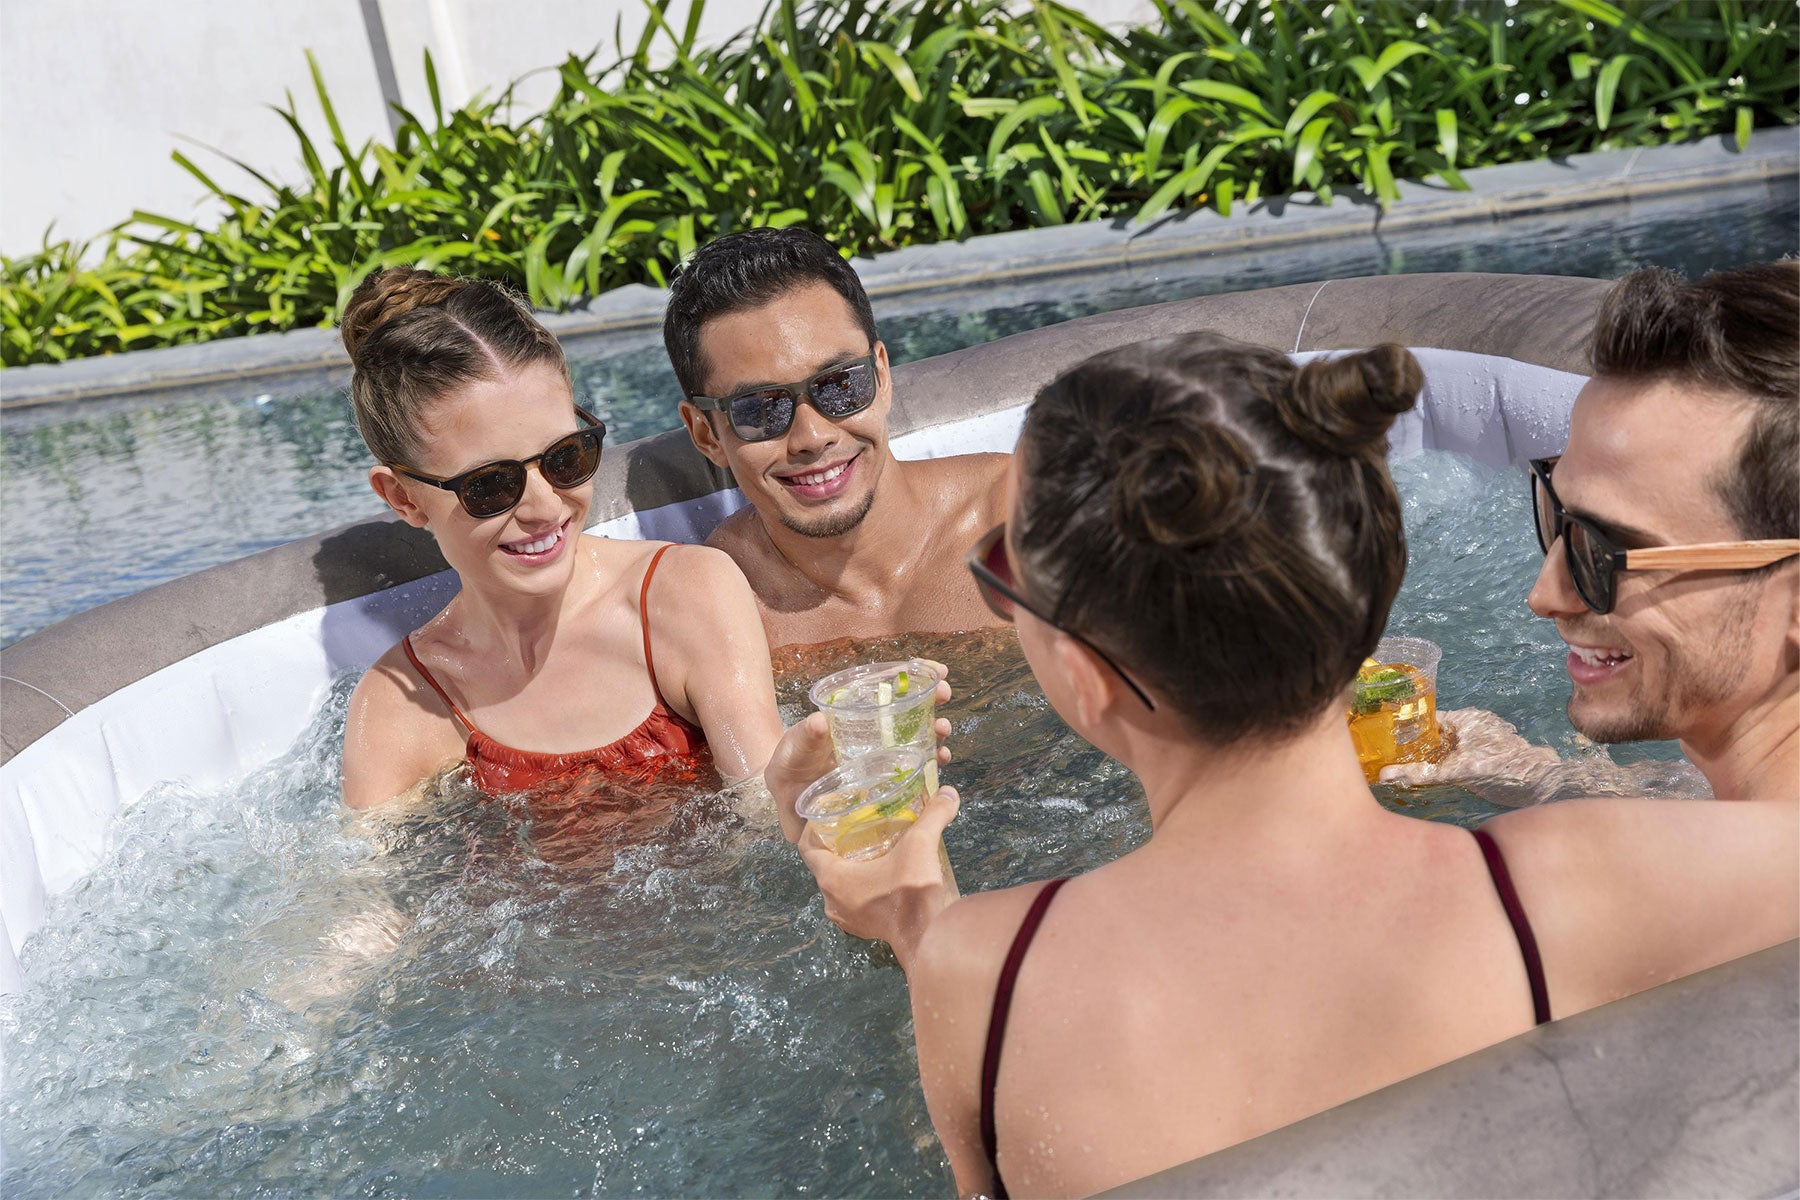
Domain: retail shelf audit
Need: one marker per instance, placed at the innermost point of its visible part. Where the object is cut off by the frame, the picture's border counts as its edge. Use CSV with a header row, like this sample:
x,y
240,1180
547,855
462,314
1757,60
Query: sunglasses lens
x,y
1543,513
1591,567
490,491
844,392
758,416
572,461
994,568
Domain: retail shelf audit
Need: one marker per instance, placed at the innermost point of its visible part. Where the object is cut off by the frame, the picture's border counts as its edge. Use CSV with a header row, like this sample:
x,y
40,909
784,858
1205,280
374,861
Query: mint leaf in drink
x,y
907,724
1383,685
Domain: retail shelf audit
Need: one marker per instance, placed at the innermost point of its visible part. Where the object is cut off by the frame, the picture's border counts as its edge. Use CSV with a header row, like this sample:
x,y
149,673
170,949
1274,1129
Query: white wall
x,y
94,94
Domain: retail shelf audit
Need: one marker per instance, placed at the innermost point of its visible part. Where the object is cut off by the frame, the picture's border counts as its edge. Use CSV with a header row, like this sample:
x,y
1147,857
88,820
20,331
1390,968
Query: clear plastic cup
x,y
882,706
861,808
1393,705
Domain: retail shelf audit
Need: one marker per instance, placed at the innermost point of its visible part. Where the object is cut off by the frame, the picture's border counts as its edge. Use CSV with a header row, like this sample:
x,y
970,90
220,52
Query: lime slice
x,y
902,684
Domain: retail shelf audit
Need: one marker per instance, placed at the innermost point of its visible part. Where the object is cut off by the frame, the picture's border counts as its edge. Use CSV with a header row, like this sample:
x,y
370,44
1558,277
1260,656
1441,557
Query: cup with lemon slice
x,y
882,706
859,810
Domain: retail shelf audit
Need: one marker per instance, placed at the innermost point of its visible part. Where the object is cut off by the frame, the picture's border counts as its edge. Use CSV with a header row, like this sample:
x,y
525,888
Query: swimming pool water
x,y
257,994
105,498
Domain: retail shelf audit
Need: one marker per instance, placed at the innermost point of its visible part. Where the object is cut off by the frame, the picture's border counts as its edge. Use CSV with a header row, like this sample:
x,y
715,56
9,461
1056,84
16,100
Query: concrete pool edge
x,y
1691,1088
1498,192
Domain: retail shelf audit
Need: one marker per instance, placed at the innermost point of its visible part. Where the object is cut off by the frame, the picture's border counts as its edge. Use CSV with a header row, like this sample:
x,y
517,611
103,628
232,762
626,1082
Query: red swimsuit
x,y
664,742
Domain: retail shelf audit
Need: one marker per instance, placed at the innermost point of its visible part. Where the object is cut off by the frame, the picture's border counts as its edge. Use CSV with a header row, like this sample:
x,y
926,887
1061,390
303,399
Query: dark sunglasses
x,y
1595,560
497,487
767,412
993,572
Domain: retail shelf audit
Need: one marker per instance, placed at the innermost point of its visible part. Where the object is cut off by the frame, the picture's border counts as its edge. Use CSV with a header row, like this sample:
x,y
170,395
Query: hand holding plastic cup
x,y
1393,705
859,810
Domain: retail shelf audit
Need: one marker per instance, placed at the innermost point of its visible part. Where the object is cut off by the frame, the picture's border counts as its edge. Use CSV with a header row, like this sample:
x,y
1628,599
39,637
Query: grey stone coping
x,y
1513,189
43,677
1689,1089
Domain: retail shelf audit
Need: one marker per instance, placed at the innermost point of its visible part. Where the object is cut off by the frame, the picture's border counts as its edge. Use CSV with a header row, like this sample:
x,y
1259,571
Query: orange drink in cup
x,y
1393,705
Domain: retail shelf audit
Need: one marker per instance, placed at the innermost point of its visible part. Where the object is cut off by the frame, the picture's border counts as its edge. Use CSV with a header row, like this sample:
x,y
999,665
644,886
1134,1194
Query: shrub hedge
x,y
881,124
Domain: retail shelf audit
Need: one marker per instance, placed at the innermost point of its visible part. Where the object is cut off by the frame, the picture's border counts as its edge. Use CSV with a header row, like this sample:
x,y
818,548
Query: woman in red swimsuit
x,y
1203,546
563,658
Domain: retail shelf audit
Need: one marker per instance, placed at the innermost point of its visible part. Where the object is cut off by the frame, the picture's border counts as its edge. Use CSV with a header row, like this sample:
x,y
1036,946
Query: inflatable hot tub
x,y
1687,1088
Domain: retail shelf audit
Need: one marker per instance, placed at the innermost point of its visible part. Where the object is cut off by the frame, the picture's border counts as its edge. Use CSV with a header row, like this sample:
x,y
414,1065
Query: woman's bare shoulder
x,y
966,943
397,731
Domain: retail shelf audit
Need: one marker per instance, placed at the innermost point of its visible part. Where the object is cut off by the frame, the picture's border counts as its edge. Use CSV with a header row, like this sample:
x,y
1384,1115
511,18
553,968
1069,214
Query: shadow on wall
x,y
660,471
380,580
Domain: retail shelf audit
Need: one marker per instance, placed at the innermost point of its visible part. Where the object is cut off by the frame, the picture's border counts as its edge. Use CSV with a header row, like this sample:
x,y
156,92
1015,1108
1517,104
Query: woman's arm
x,y
952,978
712,657
391,740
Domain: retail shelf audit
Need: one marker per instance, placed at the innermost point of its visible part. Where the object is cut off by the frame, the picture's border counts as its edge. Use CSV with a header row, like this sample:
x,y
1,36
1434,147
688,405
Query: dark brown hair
x,y
1736,332
415,336
747,270
1220,520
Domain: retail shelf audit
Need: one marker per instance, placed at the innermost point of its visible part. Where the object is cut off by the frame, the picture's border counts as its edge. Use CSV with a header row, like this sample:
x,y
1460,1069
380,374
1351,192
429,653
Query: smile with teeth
x,y
1598,657
539,546
814,479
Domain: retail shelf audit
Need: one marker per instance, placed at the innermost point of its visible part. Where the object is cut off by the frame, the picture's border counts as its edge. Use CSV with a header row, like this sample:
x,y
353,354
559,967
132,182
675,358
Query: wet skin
x,y
542,647
840,538
1709,657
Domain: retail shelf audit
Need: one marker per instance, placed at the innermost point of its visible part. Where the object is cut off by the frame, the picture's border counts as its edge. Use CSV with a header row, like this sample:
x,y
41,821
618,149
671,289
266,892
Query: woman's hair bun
x,y
384,295
1180,484
1346,405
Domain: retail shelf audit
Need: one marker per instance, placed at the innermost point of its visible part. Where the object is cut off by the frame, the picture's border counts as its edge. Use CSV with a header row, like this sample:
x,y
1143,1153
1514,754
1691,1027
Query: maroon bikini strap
x,y
1003,993
428,677
1515,912
644,616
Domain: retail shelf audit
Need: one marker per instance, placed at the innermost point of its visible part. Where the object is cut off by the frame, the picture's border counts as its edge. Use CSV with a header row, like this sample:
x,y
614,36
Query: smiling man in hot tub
x,y
1669,527
787,386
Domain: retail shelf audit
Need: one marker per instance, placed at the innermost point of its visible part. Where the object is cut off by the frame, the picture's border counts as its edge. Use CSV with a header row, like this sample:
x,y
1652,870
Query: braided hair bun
x,y
384,295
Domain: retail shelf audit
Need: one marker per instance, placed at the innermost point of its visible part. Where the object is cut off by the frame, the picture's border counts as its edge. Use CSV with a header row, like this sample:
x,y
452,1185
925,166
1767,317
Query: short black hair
x,y
747,270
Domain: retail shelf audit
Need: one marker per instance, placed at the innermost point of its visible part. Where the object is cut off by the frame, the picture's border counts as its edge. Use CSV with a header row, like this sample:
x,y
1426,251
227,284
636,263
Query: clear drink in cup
x,y
1393,705
882,706
861,808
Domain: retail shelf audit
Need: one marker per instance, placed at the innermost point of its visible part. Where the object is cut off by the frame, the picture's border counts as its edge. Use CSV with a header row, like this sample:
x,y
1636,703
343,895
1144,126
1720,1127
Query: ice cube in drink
x,y
1393,706
860,809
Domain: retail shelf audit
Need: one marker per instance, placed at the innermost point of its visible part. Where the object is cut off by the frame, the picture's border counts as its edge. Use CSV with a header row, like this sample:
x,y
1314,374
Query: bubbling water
x,y
260,993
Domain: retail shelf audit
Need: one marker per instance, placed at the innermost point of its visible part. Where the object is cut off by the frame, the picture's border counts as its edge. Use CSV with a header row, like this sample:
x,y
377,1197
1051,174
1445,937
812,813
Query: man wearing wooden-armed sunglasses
x,y
1671,536
1670,526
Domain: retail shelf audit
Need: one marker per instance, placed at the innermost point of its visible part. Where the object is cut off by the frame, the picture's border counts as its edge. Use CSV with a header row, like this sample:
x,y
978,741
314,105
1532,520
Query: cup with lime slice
x,y
882,706
860,809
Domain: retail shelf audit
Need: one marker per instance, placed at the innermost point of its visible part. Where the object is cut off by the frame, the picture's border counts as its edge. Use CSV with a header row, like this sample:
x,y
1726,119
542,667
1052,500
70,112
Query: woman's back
x,y
1268,985
1202,991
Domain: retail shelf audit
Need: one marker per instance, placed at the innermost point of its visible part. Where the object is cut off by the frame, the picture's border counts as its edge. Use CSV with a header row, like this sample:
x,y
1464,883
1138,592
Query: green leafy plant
x,y
881,125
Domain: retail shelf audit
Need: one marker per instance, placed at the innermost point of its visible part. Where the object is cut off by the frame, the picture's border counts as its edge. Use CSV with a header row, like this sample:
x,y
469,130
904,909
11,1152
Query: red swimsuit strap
x,y
428,677
649,662
644,616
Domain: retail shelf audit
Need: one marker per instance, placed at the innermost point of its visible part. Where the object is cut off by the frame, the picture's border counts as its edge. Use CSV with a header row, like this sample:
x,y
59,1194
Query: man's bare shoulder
x,y
738,536
971,471
966,484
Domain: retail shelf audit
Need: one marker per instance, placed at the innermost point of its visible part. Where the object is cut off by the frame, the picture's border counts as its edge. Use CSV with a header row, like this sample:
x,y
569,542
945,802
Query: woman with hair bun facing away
x,y
563,659
1203,546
